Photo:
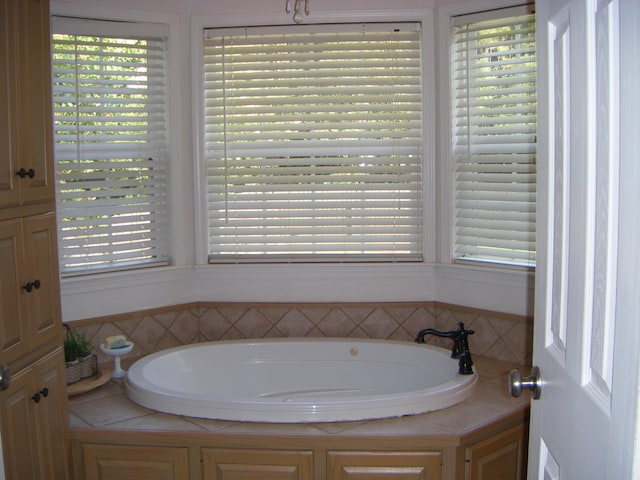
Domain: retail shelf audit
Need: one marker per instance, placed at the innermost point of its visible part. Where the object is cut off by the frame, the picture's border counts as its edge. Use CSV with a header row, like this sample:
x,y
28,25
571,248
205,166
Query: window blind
x,y
313,143
494,139
111,160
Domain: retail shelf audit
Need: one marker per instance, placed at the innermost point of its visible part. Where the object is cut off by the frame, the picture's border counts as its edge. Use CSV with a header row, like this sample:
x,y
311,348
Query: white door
x,y
586,339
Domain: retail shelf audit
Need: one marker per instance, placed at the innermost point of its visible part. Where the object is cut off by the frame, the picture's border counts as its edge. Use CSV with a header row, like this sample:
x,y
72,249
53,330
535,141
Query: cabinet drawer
x,y
117,462
254,464
384,465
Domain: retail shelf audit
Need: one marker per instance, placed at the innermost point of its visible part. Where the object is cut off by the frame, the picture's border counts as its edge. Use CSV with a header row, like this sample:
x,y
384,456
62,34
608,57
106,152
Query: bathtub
x,y
298,380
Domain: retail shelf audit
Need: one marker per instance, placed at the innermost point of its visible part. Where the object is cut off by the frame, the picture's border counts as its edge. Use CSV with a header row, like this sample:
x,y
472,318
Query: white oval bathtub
x,y
298,380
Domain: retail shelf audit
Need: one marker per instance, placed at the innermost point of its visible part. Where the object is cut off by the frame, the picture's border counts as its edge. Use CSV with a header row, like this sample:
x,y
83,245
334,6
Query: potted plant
x,y
79,361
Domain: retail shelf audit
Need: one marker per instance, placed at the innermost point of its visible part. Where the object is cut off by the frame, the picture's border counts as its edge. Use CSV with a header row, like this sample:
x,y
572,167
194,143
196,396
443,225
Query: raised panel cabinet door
x,y
9,193
41,289
34,95
119,462
501,457
19,430
256,464
384,465
13,342
49,397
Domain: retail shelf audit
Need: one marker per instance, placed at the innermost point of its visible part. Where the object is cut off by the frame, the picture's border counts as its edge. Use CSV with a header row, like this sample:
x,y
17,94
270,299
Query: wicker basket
x,y
82,368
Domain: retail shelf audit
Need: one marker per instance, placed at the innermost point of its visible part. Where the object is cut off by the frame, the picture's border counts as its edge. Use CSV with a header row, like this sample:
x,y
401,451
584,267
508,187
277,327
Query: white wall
x,y
190,279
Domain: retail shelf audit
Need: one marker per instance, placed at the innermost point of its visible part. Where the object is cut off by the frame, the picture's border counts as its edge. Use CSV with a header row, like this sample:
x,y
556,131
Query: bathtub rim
x,y
380,406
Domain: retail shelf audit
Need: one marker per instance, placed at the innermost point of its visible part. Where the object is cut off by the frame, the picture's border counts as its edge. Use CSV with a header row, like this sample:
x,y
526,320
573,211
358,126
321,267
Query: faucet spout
x,y
460,348
432,331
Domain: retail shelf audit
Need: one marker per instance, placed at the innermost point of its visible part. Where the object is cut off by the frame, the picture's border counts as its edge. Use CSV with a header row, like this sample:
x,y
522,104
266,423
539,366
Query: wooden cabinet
x,y
33,410
117,462
384,465
26,169
250,464
501,457
34,422
29,285
494,451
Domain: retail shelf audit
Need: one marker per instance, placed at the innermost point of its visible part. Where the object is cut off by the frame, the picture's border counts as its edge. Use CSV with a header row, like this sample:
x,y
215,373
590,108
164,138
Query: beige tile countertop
x,y
107,408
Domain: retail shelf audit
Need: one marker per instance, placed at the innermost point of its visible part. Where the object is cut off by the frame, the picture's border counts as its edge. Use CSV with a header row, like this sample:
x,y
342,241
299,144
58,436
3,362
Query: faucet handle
x,y
460,342
465,331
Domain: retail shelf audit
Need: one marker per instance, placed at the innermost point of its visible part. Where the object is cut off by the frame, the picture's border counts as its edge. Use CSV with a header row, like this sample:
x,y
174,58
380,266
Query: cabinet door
x,y
384,465
25,103
502,456
9,194
42,300
34,419
29,285
250,464
13,342
118,462
34,90
20,446
50,384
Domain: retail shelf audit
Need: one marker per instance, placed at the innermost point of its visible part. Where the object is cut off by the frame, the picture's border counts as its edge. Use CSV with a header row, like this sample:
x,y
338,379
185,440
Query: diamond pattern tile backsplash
x,y
500,336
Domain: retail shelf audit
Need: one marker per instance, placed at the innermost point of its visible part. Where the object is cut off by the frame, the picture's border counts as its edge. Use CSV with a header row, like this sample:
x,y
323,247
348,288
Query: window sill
x,y
491,288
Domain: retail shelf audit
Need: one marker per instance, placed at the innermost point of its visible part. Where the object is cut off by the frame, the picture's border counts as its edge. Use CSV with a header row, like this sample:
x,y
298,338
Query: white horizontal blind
x,y
109,95
313,144
494,140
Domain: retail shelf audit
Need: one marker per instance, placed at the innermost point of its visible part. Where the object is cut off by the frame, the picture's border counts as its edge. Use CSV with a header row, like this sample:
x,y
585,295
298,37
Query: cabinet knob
x,y
5,377
31,285
26,173
39,395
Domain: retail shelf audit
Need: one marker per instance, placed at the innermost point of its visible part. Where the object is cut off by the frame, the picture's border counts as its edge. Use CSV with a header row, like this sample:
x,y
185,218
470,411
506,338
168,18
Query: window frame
x,y
160,216
425,17
511,259
321,244
445,249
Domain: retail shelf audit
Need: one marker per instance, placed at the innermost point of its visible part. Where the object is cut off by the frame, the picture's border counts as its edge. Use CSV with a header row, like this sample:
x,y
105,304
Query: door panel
x,y
35,96
116,462
581,338
19,429
13,340
41,259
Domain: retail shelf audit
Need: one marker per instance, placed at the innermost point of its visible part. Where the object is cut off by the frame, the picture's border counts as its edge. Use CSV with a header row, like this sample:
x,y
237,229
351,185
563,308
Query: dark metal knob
x,y
39,395
518,383
31,285
26,173
5,377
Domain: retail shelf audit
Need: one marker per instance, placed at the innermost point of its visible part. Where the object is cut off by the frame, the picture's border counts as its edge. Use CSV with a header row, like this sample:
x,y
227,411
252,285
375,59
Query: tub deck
x,y
108,408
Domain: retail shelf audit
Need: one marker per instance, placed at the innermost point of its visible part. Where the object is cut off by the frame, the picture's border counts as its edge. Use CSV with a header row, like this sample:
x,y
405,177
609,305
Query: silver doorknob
x,y
533,382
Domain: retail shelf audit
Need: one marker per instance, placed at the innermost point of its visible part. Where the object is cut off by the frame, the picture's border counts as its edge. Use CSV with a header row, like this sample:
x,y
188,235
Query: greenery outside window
x,y
111,158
